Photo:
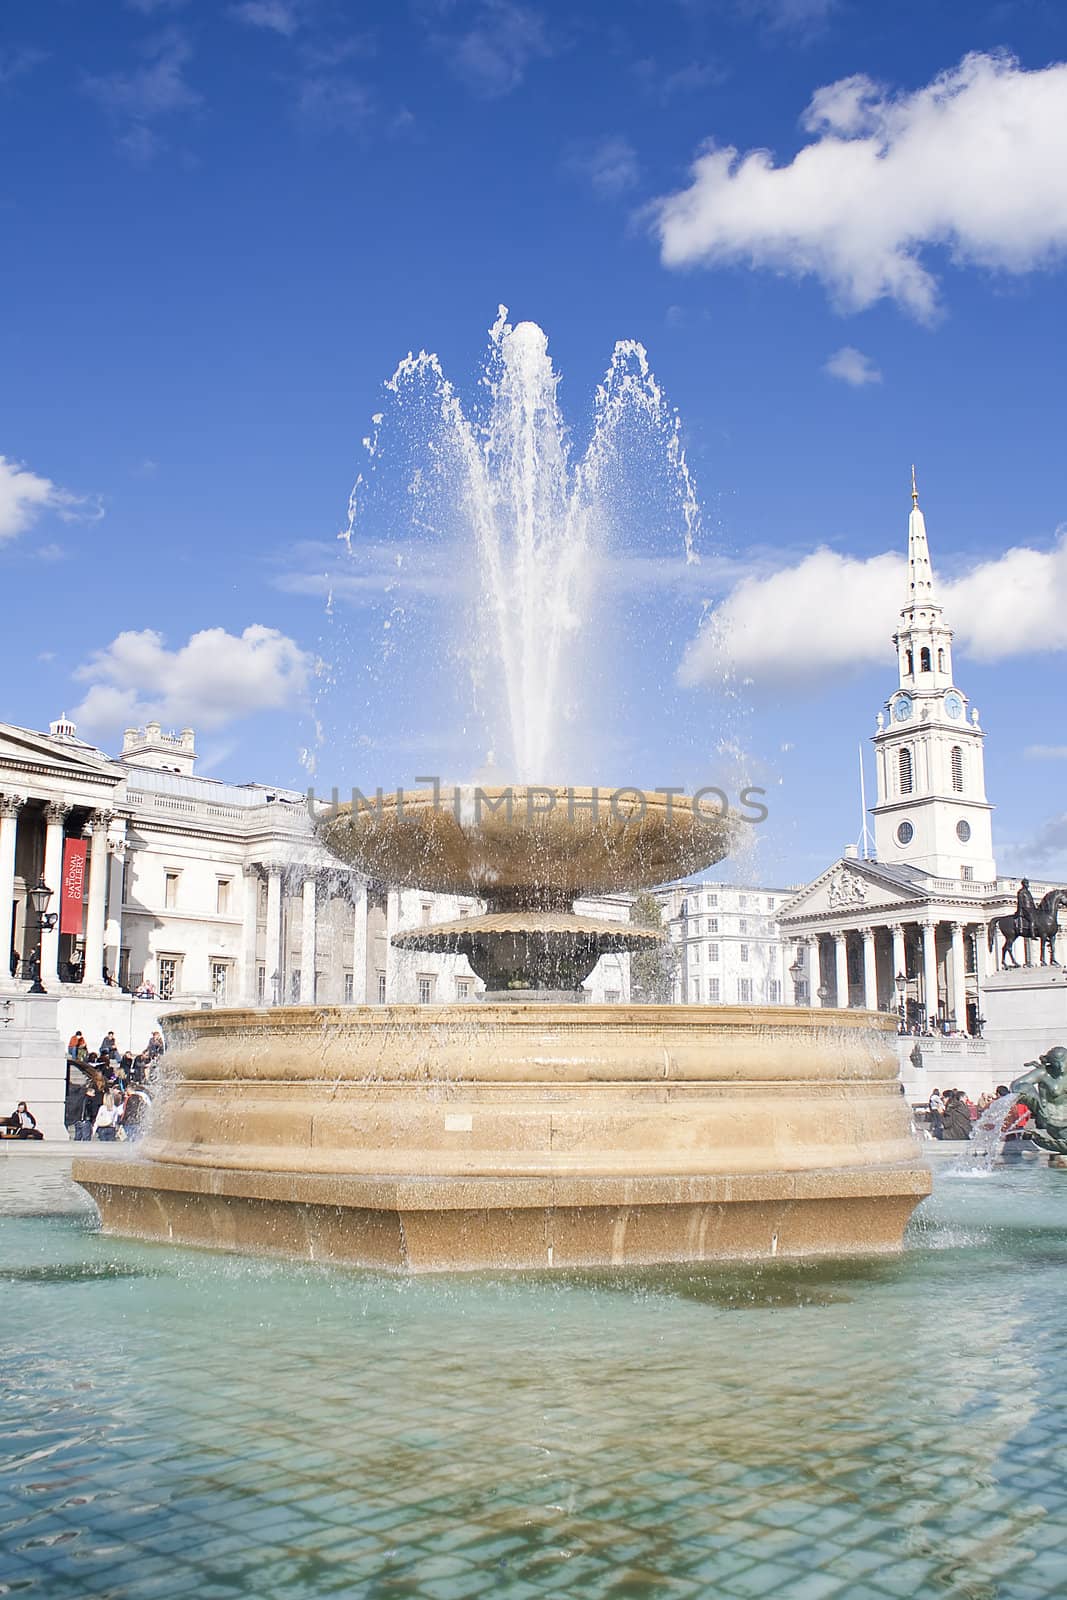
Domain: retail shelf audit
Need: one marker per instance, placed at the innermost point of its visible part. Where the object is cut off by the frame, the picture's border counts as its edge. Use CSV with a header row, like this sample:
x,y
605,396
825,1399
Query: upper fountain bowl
x,y
529,845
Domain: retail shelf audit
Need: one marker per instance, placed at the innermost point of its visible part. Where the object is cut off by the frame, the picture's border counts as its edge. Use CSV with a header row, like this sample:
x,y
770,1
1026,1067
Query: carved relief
x,y
846,889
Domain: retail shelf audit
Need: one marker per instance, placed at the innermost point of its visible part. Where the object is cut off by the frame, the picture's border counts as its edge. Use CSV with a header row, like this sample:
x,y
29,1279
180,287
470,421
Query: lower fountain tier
x,y
433,1138
523,948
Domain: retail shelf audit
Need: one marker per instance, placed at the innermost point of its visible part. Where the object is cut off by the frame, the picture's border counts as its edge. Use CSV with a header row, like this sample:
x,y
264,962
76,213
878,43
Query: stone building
x,y
730,946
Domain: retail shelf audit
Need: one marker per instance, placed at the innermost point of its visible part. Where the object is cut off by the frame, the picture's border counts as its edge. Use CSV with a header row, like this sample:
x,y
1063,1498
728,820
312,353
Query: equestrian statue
x,y
1030,921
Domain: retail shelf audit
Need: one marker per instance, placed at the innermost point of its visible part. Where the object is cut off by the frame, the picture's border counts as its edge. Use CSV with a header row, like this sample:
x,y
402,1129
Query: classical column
x,y
392,923
275,964
959,978
307,943
359,944
930,996
900,958
870,971
93,971
55,815
841,969
116,861
249,989
10,805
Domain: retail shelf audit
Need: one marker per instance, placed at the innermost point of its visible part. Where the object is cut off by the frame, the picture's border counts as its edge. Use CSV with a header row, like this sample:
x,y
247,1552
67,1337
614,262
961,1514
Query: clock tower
x,y
932,811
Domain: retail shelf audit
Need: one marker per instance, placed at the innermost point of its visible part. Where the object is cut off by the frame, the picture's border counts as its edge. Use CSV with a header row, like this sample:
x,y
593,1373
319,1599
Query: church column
x,y
900,959
308,953
359,944
870,971
930,998
392,924
93,971
249,936
275,964
10,805
841,969
55,815
958,990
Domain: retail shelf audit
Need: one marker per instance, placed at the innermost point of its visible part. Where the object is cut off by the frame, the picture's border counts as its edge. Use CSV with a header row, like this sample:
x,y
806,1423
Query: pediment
x,y
845,889
22,749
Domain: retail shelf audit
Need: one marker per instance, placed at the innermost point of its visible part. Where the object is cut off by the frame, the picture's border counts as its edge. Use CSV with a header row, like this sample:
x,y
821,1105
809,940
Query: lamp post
x,y
900,984
39,896
276,987
796,972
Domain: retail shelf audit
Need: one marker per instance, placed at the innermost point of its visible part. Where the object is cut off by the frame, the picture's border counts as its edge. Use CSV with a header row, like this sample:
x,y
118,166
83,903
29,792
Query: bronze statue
x,y
1043,1090
1030,922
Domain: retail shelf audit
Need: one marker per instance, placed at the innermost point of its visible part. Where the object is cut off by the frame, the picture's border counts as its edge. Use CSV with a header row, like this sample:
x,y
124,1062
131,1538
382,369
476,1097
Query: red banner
x,y
72,897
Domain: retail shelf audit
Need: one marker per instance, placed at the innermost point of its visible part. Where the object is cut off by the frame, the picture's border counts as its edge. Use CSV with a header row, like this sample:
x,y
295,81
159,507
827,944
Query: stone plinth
x,y
524,1136
1025,1014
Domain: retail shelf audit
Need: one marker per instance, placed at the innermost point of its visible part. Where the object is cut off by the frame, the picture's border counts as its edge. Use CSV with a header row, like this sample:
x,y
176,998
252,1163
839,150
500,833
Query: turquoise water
x,y
177,1423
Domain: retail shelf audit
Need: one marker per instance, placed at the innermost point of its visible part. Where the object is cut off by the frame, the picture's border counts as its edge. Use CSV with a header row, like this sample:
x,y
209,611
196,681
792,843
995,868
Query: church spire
x,y
920,572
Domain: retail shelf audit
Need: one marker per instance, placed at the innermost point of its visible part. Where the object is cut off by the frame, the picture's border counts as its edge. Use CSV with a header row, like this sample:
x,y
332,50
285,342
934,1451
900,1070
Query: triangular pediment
x,y
24,749
849,888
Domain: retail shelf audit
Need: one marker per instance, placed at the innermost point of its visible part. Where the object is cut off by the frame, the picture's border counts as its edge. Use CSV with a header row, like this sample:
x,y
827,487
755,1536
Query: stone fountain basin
x,y
524,1135
501,842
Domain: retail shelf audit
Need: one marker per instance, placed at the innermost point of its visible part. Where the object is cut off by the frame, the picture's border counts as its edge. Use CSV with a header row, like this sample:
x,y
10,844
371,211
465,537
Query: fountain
x,y
534,1129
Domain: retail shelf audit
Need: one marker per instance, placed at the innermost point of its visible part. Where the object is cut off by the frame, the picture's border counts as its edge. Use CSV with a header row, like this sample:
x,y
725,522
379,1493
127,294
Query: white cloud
x,y
157,89
24,496
610,164
975,162
209,682
852,367
492,55
1046,752
831,612
278,16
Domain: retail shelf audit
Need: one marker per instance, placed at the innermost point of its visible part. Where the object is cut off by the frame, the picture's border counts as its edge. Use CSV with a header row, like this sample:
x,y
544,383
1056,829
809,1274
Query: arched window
x,y
924,659
940,661
957,769
904,761
908,667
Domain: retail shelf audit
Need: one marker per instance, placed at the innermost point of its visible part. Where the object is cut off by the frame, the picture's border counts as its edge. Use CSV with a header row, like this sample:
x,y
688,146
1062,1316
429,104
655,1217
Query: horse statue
x,y
1044,925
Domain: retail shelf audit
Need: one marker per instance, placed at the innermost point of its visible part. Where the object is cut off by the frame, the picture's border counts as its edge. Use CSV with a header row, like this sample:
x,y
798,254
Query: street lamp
x,y
276,987
900,984
796,972
39,896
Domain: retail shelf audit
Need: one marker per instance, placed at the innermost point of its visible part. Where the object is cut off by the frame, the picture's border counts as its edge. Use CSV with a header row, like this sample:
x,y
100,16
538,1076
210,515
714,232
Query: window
x,y
957,769
262,908
170,889
220,977
774,992
742,925
426,989
350,988
744,952
904,768
905,833
742,901
170,968
909,667
924,659
427,912
294,986
463,988
694,986
967,874
261,985
963,832
713,991
124,969
770,902
744,991
222,897
711,900
713,952
381,988
611,997
713,924
940,661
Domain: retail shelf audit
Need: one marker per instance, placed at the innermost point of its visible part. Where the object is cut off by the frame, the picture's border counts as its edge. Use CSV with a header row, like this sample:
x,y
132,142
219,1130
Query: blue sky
x,y
227,222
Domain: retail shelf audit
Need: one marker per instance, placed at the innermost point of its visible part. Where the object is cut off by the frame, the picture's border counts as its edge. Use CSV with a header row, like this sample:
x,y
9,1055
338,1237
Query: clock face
x,y
902,708
953,705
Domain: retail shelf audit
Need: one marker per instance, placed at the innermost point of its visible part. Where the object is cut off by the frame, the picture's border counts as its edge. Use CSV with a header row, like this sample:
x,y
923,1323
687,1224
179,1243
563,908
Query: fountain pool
x,y
179,1422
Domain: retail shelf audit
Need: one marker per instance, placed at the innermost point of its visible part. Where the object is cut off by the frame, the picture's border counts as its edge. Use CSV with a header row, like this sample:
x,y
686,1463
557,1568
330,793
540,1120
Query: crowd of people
x,y
109,1092
952,1114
